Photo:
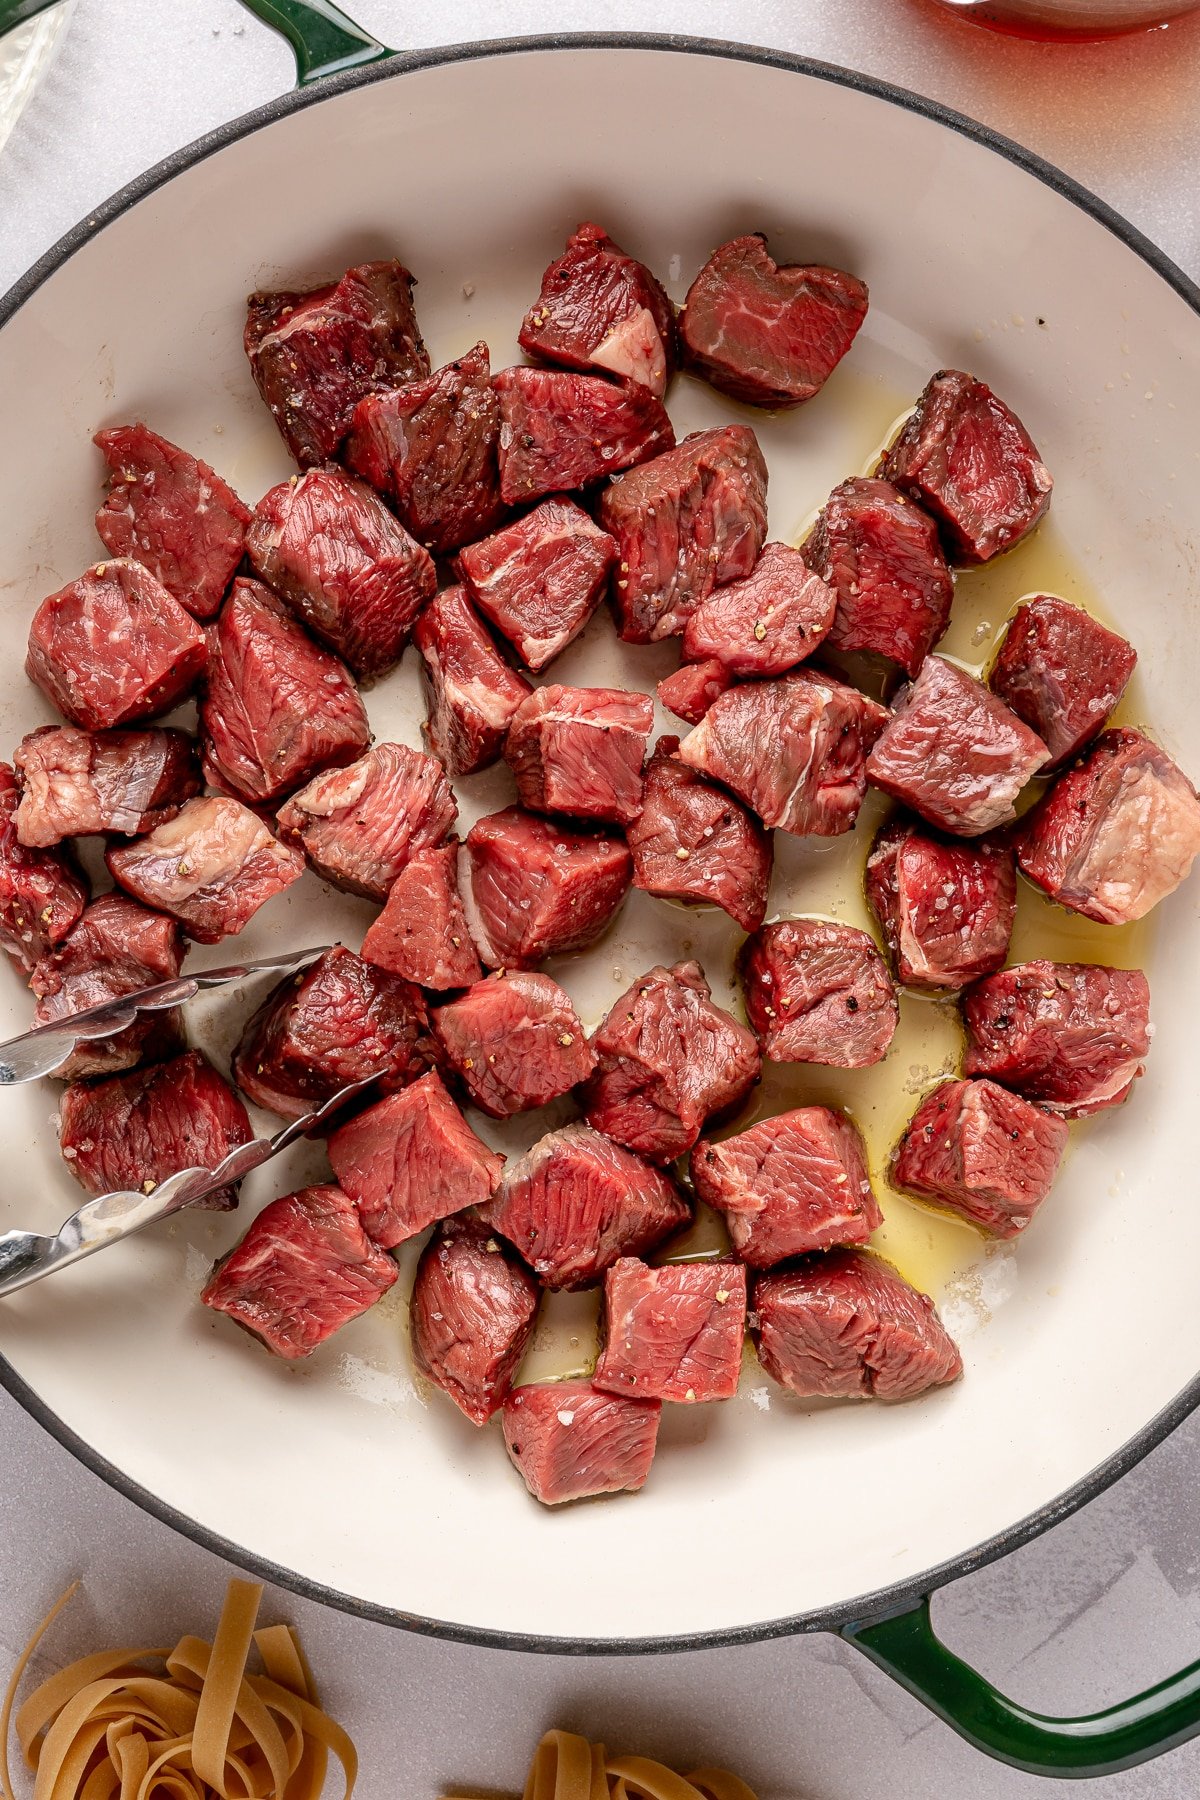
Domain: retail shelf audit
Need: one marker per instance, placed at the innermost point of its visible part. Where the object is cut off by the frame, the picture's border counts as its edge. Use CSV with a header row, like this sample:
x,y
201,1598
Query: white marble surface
x,y
1107,1602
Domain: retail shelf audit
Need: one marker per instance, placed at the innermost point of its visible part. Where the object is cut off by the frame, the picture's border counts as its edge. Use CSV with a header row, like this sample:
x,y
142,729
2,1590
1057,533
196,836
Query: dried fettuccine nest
x,y
569,1768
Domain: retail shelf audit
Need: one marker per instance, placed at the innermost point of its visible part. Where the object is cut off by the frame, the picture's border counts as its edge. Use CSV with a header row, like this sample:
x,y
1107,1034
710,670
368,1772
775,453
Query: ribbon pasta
x,y
565,1767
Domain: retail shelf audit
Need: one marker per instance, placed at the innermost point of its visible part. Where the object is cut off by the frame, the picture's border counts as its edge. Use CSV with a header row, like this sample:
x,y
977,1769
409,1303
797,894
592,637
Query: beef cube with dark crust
x,y
533,889
114,647
1062,672
116,948
601,309
344,564
818,992
81,783
983,1152
540,579
42,892
691,690
946,910
846,1326
514,1041
1069,1035
422,931
358,826
570,1441
767,623
693,841
471,1317
576,1202
316,354
303,1270
971,463
169,511
560,431
471,690
1116,834
580,751
674,1333
211,867
666,1060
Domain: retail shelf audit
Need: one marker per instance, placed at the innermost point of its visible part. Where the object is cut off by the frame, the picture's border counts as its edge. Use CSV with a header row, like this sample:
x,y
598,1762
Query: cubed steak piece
x,y
277,708
410,1160
540,579
316,354
1070,1035
533,889
792,1183
79,783
882,557
344,564
846,1326
954,753
560,431
570,1441
1116,834
795,750
601,309
471,1317
303,1270
42,892
690,521
972,464
818,992
514,1041
471,690
211,867
114,647
576,1202
358,826
173,514
667,1059
692,841
1062,672
674,1333
580,751
983,1152
946,910
133,1130
116,948
767,623
691,690
422,931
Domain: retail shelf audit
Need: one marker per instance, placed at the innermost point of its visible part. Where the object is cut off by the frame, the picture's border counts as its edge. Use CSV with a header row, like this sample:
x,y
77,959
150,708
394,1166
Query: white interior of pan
x,y
473,173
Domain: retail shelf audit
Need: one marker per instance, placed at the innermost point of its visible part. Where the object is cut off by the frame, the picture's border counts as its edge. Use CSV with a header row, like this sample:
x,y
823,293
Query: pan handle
x,y
323,39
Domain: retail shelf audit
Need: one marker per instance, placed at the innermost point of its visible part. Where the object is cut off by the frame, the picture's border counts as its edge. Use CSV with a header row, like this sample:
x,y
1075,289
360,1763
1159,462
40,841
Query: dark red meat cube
x,y
690,521
601,309
570,1441
113,647
795,750
791,1183
303,1270
954,753
116,948
560,431
580,751
768,333
983,1152
316,354
846,1326
693,841
1062,672
472,692
674,1333
1070,1035
471,1317
79,783
819,993
666,1060
945,909
767,623
42,892
540,579
691,690
972,464
358,826
173,514
422,931
533,889
576,1202
211,867
514,1041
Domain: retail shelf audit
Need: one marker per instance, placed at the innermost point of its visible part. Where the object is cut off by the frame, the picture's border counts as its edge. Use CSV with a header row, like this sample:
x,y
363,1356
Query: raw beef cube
x,y
80,783
667,1059
540,579
972,464
846,1326
954,753
576,1202
560,431
113,647
767,623
533,889
211,867
691,690
983,1152
882,557
795,750
431,448
471,1318
315,355
303,1270
340,1020
277,708
1116,834
693,841
791,1183
946,910
580,751
472,692
673,1333
42,892
1062,672
173,514
514,1041
818,992
344,565
1070,1035
422,931
116,948
600,309
133,1130
358,826
690,521
569,1441
411,1159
